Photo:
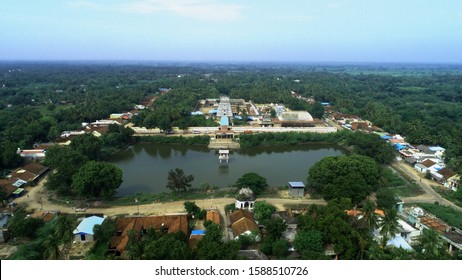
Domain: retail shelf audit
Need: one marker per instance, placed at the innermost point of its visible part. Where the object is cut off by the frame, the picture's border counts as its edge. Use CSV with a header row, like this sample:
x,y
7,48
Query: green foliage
x,y
87,145
192,208
195,140
285,138
263,210
309,243
252,181
373,146
432,245
211,247
333,223
274,228
386,198
389,223
178,181
352,177
22,226
97,179
64,227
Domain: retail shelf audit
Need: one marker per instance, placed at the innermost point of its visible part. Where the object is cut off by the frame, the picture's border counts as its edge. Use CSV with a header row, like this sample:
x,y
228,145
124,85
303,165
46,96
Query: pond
x,y
145,166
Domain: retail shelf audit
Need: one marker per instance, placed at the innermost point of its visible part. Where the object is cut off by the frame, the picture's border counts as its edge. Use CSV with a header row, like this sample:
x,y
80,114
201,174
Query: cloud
x,y
207,10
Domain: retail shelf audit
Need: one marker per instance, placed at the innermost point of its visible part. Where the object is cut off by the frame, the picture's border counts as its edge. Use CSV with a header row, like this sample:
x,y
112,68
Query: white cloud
x,y
208,10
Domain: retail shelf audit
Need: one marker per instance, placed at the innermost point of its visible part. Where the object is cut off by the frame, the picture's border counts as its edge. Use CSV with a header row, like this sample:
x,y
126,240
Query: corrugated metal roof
x,y
296,184
87,224
197,232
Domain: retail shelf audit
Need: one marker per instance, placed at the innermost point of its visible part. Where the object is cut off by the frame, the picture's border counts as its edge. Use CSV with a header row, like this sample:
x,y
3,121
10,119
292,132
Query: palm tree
x,y
389,223
51,245
65,224
369,216
432,244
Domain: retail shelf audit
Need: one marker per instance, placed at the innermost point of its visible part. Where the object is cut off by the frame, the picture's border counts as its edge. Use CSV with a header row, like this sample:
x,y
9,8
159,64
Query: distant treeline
x,y
196,140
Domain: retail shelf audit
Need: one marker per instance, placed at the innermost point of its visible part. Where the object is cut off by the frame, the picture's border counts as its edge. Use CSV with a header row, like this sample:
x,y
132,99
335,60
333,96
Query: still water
x,y
145,166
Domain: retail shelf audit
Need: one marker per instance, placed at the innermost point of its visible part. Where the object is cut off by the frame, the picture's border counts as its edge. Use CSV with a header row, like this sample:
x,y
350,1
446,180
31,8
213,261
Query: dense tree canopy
x,y
252,181
353,177
97,179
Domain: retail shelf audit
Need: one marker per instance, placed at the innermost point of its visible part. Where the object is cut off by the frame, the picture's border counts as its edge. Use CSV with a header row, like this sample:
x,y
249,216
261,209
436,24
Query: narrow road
x,y
430,195
36,199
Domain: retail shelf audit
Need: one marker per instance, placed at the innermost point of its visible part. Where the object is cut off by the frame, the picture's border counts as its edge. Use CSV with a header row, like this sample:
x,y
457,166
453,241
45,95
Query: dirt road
x,y
430,195
36,199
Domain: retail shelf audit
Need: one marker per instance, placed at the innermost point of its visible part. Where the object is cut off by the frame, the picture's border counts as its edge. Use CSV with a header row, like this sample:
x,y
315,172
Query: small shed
x,y
297,189
84,231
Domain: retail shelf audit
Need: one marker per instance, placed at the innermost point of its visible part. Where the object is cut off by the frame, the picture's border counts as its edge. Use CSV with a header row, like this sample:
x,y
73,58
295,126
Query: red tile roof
x,y
214,216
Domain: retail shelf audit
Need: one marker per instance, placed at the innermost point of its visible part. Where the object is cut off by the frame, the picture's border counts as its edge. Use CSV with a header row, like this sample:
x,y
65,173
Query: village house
x,y
32,154
213,215
242,222
141,225
84,231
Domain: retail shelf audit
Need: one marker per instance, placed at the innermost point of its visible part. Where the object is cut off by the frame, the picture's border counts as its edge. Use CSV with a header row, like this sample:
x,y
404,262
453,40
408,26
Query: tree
x,y
386,198
369,216
97,179
10,158
309,243
274,228
87,145
65,225
280,248
352,177
252,181
177,181
317,110
389,223
263,210
191,208
432,245
373,146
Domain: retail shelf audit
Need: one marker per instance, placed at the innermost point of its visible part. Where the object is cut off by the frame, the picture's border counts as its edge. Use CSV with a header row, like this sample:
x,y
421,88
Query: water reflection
x,y
145,166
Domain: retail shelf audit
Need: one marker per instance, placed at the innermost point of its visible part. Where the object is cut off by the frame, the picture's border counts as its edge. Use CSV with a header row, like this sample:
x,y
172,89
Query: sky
x,y
400,31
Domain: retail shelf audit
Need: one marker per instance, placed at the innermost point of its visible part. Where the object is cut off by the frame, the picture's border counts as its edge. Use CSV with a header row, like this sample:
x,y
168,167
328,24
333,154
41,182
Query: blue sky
x,y
225,30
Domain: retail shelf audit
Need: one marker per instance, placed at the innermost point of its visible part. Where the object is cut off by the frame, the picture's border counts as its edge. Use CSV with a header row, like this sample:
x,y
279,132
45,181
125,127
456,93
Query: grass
x,y
448,194
445,213
408,190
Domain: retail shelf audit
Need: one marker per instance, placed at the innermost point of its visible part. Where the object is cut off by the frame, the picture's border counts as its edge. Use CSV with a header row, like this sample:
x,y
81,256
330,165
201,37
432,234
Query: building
x,y
32,154
213,216
195,237
245,199
141,225
296,189
242,222
84,231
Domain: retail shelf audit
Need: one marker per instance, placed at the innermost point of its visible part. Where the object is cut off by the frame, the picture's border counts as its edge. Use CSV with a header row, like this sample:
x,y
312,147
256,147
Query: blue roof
x,y
224,121
325,103
196,113
198,232
296,184
399,147
87,224
386,137
213,111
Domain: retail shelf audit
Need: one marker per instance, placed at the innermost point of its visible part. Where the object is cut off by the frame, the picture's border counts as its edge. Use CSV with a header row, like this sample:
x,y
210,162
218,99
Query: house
x,y
424,166
141,225
442,175
30,172
32,154
296,189
213,215
452,182
195,237
410,234
242,222
84,231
